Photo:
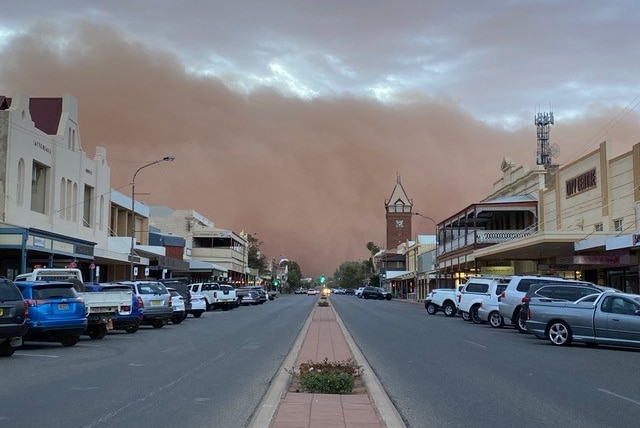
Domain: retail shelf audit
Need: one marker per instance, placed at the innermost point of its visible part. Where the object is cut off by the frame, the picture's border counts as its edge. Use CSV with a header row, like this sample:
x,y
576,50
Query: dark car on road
x,y
375,293
14,315
130,321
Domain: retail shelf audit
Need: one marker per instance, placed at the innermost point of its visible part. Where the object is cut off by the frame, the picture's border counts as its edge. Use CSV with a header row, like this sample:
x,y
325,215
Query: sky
x,y
293,119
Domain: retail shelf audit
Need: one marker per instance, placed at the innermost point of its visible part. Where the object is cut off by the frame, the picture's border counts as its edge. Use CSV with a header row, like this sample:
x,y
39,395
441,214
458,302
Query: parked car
x,y
443,299
56,312
156,301
476,291
127,320
375,293
510,301
217,296
358,292
300,290
181,285
569,292
488,310
198,304
609,318
178,306
14,317
312,292
248,296
349,291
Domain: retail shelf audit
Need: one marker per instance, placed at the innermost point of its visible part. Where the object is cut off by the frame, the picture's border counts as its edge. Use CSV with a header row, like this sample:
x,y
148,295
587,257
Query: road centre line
x,y
476,344
622,397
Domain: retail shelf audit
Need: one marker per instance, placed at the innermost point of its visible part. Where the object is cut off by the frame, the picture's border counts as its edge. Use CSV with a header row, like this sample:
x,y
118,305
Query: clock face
x,y
399,223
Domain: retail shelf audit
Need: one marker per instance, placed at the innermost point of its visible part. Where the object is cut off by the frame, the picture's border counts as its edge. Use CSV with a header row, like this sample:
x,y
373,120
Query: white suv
x,y
510,301
476,292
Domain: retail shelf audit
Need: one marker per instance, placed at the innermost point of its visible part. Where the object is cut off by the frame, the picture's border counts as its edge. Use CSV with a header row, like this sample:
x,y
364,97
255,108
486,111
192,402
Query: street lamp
x,y
133,209
435,254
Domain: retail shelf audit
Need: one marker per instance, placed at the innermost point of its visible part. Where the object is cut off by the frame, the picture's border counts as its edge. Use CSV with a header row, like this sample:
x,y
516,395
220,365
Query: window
x,y
474,287
598,227
87,214
39,188
617,225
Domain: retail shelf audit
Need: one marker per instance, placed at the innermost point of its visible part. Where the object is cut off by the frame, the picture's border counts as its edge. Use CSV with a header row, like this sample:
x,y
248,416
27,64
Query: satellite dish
x,y
554,150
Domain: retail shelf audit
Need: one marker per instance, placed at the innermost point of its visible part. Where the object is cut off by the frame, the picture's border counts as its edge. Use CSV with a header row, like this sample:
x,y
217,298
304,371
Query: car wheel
x,y
157,323
431,309
69,340
449,309
496,320
97,332
474,315
6,350
131,328
521,324
465,316
559,333
177,319
197,314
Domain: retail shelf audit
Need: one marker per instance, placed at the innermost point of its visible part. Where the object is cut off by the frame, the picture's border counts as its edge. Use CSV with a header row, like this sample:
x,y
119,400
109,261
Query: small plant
x,y
328,377
323,303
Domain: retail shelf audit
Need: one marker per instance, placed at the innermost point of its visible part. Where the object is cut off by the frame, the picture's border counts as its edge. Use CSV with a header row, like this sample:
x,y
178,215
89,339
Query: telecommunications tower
x,y
543,122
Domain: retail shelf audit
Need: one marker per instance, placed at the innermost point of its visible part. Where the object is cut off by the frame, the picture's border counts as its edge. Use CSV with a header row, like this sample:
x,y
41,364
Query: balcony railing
x,y
487,237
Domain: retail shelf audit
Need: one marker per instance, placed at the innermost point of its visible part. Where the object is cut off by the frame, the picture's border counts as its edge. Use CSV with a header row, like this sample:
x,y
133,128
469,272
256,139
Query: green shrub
x,y
327,377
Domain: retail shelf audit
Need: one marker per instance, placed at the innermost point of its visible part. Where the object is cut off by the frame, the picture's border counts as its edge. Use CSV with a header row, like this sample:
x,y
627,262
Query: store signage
x,y
581,183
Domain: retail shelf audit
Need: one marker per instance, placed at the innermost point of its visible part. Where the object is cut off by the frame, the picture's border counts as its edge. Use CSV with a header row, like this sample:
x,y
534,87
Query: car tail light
x,y
501,296
526,299
140,302
37,302
26,310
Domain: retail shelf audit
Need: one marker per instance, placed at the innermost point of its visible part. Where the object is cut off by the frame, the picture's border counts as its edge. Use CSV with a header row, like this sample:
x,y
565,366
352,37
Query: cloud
x,y
309,175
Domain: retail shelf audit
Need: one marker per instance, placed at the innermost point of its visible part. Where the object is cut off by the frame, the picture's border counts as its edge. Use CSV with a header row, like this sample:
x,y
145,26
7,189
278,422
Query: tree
x,y
255,260
350,274
373,248
294,277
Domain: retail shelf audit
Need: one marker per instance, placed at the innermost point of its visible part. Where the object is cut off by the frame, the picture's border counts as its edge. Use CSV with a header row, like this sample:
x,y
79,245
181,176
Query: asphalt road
x,y
206,372
444,372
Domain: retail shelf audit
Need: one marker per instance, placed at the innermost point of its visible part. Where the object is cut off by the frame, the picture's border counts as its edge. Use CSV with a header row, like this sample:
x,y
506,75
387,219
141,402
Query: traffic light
x,y
322,279
276,283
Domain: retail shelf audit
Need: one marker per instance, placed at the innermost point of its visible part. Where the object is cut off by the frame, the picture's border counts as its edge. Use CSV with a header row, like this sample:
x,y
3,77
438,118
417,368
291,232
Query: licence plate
x,y
156,302
63,306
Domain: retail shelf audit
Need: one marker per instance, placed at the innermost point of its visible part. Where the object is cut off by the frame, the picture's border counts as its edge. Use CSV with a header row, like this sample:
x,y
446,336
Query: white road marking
x,y
622,397
476,344
35,355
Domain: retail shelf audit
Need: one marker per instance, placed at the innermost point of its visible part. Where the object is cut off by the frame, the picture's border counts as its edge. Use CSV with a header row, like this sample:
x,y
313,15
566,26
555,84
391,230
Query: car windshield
x,y
151,289
50,292
225,287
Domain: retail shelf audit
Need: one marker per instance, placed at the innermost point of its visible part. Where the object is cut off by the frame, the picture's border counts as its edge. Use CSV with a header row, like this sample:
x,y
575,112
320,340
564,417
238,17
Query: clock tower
x,y
399,211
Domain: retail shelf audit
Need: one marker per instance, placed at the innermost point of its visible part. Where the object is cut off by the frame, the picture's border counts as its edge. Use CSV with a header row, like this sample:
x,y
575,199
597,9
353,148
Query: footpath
x,y
324,336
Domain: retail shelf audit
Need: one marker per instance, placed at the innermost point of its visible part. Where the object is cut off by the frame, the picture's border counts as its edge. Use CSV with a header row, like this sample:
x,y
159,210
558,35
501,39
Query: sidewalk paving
x,y
324,336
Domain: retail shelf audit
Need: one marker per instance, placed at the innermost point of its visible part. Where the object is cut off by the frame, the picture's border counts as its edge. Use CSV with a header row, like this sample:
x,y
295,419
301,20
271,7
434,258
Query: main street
x,y
205,372
444,372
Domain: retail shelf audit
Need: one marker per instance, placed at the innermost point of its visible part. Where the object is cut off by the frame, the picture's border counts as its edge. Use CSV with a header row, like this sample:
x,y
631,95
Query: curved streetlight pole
x,y
435,254
133,209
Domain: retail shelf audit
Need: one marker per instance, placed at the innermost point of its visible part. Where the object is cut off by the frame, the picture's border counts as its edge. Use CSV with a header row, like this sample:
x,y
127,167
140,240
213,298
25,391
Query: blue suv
x,y
56,312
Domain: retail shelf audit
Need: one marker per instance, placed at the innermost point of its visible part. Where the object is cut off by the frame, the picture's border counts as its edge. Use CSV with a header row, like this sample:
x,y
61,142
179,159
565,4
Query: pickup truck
x,y
101,306
443,299
608,318
217,296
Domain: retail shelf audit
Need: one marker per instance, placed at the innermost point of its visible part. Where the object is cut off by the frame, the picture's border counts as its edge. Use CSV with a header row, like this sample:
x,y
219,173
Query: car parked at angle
x,y
178,306
375,293
569,292
510,301
14,317
358,292
181,285
476,291
217,296
198,305
609,318
127,320
156,301
443,299
56,311
248,296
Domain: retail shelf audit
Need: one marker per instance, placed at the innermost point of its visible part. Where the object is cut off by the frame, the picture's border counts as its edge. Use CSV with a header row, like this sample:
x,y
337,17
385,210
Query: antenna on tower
x,y
546,152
